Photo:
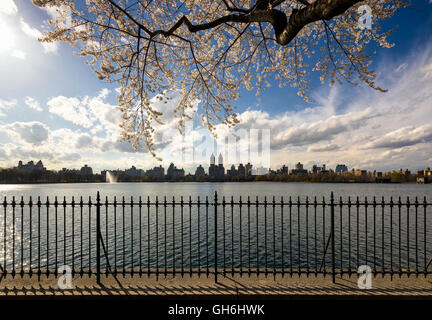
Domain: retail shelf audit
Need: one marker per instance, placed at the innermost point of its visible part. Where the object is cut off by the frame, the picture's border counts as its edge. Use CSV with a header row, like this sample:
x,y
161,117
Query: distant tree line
x,y
13,175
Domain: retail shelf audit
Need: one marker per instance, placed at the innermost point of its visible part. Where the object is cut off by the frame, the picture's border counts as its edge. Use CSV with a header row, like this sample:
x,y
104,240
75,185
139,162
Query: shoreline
x,y
182,181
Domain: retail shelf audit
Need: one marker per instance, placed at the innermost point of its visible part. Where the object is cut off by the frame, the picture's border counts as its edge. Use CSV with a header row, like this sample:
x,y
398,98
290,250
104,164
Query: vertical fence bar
x,y
241,237
374,234
341,235
5,237
265,234
157,238
22,236
249,237
282,237
382,235
56,236
115,235
89,230
190,235
223,234
13,236
358,230
408,235
324,236
64,230
215,237
416,235
81,204
73,235
315,236
298,235
207,237
173,238
232,236
332,236
307,235
349,236
106,235
140,236
132,235
31,240
181,226
98,239
424,236
199,237
39,237
257,236
366,232
274,238
391,236
148,235
165,237
290,236
123,235
400,236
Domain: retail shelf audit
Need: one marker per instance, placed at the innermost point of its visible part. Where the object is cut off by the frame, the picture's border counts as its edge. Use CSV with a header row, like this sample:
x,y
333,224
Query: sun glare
x,y
7,38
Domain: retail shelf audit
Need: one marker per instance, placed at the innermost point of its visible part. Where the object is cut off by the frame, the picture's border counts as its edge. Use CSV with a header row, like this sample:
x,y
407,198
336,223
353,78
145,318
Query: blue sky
x,y
52,106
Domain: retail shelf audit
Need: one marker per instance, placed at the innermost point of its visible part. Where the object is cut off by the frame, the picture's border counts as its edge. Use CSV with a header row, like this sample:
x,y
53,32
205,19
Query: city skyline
x,y
212,169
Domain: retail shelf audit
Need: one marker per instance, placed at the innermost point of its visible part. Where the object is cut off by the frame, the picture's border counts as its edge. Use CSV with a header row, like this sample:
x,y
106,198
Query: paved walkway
x,y
296,285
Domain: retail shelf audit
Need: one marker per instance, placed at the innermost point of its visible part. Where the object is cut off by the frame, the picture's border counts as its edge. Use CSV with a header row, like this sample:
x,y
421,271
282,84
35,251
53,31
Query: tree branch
x,y
262,11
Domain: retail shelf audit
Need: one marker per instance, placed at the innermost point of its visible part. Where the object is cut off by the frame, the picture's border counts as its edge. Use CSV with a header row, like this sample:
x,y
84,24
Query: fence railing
x,y
217,236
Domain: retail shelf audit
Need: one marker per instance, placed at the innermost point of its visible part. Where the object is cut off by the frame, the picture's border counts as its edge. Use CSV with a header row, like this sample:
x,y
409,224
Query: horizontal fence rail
x,y
218,236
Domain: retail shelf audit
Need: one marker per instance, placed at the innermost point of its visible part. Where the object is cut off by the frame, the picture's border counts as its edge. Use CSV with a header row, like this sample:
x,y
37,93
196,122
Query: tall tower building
x,y
220,159
212,159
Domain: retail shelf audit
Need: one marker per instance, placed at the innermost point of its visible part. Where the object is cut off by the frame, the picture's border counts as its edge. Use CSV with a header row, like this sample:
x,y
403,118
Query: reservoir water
x,y
248,236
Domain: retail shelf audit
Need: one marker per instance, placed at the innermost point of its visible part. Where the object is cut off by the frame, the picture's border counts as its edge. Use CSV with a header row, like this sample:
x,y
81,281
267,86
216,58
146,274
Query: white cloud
x,y
33,104
49,47
19,54
6,105
71,109
324,148
3,154
322,130
93,113
403,137
427,70
30,132
8,7
84,141
7,37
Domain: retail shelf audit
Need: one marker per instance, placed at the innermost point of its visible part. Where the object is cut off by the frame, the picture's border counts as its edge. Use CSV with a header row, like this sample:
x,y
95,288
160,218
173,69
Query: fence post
x,y
215,236
98,238
332,236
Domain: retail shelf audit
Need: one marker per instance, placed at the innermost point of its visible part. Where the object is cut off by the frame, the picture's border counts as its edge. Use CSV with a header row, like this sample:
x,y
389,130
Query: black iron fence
x,y
217,236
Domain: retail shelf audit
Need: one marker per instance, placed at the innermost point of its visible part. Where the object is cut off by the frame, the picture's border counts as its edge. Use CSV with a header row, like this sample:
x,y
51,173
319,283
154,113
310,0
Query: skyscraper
x,y
216,171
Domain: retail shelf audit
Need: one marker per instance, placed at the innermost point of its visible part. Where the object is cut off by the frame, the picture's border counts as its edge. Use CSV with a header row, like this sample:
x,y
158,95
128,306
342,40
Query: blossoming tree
x,y
207,50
